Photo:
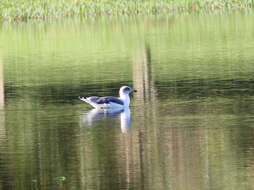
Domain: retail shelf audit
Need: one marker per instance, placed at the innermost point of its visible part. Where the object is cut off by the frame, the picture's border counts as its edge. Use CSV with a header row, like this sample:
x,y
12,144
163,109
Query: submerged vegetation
x,y
43,9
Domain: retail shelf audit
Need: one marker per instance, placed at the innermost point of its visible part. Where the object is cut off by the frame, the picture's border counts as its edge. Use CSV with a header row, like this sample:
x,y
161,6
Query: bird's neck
x,y
125,98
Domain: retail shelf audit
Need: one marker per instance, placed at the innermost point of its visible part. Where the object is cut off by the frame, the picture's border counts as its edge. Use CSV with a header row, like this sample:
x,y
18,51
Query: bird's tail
x,y
82,98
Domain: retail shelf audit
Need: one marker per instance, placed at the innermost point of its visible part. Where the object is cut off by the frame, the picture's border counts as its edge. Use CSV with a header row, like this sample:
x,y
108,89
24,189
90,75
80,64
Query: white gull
x,y
111,102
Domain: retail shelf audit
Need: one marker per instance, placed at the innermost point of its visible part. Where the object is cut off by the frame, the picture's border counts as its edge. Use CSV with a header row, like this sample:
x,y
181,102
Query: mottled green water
x,y
191,122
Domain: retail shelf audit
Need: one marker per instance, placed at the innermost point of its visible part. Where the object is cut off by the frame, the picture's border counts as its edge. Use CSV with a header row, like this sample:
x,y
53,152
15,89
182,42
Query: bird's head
x,y
124,90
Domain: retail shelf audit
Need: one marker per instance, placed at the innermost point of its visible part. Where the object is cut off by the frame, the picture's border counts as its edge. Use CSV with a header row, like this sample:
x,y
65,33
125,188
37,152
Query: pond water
x,y
189,126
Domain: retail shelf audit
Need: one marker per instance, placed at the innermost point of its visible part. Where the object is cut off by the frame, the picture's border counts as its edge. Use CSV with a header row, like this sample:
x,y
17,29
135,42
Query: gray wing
x,y
107,100
93,98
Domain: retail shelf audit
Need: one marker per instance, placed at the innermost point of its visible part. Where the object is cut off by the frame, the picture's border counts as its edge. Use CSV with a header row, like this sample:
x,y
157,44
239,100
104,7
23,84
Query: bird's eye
x,y
127,89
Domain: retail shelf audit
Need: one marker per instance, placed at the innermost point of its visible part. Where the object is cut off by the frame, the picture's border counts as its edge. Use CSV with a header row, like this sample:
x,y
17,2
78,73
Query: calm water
x,y
189,126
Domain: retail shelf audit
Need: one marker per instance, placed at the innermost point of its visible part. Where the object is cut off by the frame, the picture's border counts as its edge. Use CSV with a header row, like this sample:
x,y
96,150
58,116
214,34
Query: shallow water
x,y
189,126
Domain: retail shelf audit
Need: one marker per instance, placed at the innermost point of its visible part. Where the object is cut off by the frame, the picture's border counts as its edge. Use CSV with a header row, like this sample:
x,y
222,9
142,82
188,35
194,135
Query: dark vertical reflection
x,y
1,84
146,92
4,175
142,75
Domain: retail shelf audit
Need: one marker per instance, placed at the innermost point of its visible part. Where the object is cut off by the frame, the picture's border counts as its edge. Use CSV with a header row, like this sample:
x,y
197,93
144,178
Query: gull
x,y
111,102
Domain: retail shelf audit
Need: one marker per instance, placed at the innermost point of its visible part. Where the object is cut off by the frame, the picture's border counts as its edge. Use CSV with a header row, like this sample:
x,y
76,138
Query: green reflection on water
x,y
191,118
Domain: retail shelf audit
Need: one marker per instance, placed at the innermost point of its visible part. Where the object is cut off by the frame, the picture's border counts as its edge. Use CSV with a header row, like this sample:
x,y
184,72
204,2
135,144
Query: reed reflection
x,y
96,116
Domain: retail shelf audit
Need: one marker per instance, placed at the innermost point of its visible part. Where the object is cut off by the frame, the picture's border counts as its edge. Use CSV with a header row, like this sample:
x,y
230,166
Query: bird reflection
x,y
100,115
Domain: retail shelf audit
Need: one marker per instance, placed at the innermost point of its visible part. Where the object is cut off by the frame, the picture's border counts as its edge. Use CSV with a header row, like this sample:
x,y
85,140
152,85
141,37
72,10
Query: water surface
x,y
189,126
